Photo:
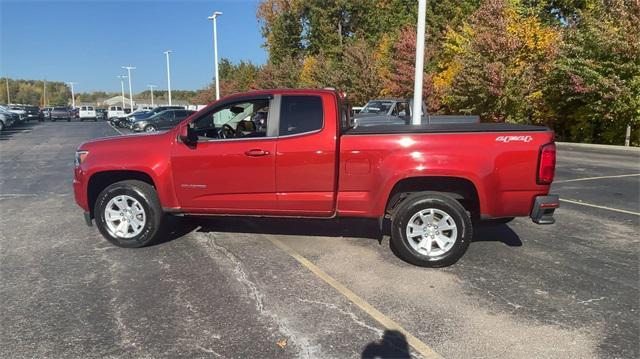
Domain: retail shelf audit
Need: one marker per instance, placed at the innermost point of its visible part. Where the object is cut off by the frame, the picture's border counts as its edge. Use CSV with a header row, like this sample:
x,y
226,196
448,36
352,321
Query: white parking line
x,y
117,130
600,207
597,178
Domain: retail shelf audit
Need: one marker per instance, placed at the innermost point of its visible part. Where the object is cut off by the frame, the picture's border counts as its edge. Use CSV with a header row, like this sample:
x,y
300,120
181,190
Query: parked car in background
x,y
101,114
18,110
430,184
143,115
46,113
398,112
87,113
355,110
33,113
161,121
60,113
7,118
127,120
114,112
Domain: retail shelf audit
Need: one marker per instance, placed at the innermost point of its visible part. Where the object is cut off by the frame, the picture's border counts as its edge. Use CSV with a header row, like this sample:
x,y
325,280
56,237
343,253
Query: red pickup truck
x,y
295,153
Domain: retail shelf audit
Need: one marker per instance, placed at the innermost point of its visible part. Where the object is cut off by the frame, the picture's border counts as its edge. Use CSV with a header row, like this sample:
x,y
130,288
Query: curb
x,y
599,147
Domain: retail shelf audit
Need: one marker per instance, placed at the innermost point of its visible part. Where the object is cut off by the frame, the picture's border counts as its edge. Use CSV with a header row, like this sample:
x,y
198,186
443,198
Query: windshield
x,y
377,107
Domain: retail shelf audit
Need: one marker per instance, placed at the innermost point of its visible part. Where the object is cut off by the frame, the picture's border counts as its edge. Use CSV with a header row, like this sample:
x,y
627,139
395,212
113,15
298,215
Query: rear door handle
x,y
256,153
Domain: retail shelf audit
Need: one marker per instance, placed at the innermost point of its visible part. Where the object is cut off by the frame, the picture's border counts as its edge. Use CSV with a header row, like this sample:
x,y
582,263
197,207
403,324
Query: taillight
x,y
546,164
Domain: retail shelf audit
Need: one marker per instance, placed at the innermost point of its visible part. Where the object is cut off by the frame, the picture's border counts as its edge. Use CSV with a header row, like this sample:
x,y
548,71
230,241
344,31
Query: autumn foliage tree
x,y
571,65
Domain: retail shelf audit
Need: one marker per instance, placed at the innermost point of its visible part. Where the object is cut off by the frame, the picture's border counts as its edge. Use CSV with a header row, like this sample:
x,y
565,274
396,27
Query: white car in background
x,y
115,112
87,113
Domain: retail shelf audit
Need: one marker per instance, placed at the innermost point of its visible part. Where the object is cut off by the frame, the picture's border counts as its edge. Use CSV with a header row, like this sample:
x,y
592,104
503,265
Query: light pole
x,y
151,88
122,77
73,96
417,85
8,96
44,93
168,75
129,68
215,51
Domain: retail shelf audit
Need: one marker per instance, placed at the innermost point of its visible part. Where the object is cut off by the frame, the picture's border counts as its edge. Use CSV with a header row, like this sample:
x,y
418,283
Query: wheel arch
x,y
101,180
461,189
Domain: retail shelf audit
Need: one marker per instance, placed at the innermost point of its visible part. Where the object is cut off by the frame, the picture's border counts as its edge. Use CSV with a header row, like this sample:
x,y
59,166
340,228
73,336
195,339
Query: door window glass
x,y
237,120
300,114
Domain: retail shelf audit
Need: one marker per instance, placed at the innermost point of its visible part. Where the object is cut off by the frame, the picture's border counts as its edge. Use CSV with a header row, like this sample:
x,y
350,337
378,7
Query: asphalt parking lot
x,y
230,287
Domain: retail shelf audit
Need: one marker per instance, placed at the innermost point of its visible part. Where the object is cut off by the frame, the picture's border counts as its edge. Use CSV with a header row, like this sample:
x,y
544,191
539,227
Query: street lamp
x,y
129,68
6,78
416,119
73,96
122,77
215,51
151,88
168,75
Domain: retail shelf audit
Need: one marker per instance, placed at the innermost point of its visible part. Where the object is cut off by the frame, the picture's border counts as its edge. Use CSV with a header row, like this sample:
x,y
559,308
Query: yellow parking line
x,y
387,322
601,207
597,178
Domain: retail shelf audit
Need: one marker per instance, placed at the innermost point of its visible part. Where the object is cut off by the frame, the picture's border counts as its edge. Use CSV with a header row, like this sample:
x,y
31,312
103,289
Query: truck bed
x,y
443,128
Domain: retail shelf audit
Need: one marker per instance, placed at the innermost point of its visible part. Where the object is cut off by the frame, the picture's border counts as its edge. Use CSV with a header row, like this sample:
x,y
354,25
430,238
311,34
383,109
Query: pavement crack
x,y
240,273
305,346
586,302
350,314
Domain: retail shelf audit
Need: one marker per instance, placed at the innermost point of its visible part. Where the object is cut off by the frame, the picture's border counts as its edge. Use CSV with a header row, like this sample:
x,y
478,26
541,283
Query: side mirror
x,y
188,135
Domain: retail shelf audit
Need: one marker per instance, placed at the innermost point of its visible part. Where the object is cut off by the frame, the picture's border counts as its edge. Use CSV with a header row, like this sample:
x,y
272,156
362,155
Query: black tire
x,y
82,120
146,195
68,120
53,120
421,201
150,128
1,126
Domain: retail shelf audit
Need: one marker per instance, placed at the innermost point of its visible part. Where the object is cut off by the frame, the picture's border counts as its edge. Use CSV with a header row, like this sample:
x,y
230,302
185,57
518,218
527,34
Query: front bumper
x,y
543,208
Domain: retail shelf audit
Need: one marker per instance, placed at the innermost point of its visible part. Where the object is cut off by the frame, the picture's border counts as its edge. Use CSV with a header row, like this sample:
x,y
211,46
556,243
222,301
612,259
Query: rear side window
x,y
300,114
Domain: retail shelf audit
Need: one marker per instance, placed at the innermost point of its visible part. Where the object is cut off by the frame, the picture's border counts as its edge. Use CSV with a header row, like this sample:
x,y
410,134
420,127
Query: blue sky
x,y
88,41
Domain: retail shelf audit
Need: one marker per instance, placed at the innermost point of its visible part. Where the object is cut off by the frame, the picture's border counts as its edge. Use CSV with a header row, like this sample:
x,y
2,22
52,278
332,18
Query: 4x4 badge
x,y
507,139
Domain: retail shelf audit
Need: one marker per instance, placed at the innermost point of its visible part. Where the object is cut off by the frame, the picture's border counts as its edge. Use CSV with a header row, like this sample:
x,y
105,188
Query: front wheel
x,y
431,229
128,214
149,128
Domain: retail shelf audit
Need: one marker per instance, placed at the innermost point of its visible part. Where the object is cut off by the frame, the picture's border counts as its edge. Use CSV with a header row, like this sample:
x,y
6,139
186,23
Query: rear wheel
x,y
128,214
149,128
431,229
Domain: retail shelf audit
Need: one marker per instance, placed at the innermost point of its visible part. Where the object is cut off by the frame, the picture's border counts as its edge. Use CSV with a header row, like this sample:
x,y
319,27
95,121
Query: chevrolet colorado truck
x,y
295,153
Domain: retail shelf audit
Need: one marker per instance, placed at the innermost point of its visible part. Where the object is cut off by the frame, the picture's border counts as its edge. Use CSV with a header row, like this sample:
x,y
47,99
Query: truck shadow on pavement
x,y
339,227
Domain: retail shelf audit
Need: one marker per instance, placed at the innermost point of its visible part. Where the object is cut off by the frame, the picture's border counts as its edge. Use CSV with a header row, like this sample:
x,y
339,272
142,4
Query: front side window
x,y
300,114
238,120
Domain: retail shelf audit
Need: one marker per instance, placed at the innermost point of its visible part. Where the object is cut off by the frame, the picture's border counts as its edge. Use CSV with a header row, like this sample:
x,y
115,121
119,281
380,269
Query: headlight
x,y
80,157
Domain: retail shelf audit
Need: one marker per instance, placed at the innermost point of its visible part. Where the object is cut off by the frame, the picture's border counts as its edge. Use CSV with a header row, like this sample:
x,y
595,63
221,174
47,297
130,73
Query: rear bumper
x,y
543,208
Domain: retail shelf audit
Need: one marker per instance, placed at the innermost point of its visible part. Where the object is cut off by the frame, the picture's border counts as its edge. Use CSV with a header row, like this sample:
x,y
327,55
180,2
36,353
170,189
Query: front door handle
x,y
256,153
